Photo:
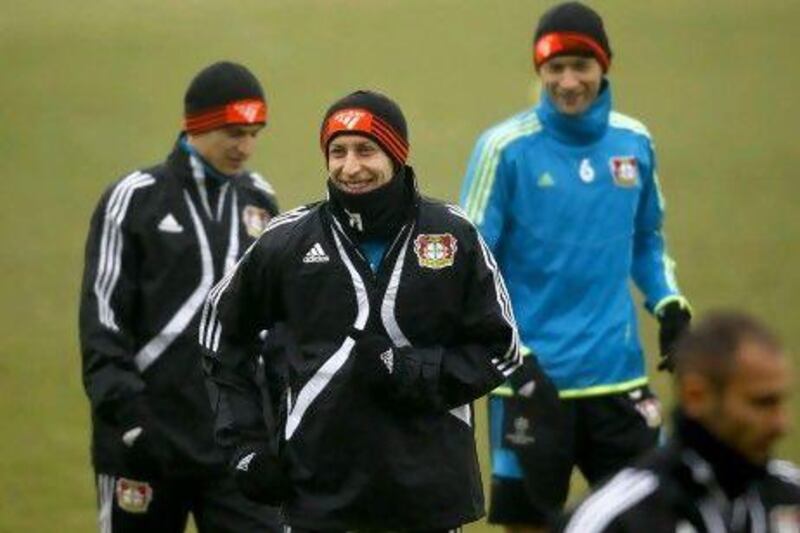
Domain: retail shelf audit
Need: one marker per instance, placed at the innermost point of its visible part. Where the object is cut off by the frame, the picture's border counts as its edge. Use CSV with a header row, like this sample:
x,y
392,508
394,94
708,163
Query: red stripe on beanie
x,y
357,120
553,44
239,112
390,139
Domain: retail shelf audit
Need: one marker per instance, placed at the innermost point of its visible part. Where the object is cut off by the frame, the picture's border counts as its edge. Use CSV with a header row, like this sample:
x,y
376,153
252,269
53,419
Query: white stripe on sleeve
x,y
111,243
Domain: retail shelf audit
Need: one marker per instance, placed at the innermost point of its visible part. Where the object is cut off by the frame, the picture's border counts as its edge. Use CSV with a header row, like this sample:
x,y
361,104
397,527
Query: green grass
x,y
91,90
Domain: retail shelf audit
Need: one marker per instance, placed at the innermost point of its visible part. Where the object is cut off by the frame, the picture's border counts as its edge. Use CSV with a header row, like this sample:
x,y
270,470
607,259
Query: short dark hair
x,y
710,348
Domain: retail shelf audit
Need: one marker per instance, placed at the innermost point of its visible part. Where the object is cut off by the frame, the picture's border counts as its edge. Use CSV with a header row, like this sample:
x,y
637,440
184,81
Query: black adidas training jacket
x,y
159,239
679,489
355,460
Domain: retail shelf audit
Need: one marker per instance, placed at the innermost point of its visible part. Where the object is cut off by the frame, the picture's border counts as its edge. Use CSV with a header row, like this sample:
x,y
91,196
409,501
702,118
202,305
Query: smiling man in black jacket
x,y
397,320
158,241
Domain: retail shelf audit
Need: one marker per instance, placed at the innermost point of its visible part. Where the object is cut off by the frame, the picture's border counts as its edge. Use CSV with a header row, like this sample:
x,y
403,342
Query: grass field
x,y
90,90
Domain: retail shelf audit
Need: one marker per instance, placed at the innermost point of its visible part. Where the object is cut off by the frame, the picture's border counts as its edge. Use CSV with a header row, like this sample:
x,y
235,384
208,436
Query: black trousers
x,y
128,505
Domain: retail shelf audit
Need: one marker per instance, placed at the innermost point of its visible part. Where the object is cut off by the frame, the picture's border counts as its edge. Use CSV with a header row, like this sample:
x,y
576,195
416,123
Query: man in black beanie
x,y
567,195
159,239
398,320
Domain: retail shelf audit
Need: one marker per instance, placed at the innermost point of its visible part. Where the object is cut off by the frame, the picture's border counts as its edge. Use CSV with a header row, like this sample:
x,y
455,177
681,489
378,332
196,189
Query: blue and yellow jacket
x,y
571,208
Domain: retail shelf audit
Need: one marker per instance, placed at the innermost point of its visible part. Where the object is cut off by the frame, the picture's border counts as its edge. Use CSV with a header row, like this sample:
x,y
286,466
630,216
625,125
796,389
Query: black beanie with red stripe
x,y
371,114
569,28
222,94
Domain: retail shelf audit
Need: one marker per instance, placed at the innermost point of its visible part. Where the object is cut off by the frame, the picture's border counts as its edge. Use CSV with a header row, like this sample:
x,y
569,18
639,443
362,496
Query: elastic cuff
x,y
684,303
132,412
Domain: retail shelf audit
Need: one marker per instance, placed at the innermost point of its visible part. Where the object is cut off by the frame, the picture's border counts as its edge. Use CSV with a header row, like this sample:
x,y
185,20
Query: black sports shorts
x,y
534,452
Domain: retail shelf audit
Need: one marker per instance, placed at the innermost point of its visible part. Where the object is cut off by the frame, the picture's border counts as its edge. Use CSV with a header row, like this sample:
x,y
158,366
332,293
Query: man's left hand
x,y
374,359
673,318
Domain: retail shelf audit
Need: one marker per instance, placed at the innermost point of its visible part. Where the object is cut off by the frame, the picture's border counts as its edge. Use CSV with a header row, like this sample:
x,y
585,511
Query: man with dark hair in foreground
x,y
716,473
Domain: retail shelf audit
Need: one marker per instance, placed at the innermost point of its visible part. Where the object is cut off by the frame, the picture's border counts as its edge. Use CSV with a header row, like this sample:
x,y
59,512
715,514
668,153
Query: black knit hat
x,y
223,93
368,113
568,28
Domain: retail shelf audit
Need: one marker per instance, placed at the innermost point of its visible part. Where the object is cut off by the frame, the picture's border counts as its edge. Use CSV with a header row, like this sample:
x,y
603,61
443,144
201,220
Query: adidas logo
x,y
388,359
244,463
546,180
349,118
316,254
169,225
248,110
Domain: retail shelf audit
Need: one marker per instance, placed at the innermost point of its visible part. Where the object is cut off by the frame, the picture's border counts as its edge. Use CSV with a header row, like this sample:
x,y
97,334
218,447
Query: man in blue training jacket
x,y
566,195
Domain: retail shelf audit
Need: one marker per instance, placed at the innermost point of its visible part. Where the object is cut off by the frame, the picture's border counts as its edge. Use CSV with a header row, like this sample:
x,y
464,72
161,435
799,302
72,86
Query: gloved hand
x,y
533,416
375,360
529,380
261,476
673,319
145,450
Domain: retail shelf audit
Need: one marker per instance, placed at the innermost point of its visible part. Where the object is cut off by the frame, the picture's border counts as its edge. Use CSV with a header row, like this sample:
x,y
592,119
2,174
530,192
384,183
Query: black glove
x,y
673,319
375,360
403,379
533,420
529,380
261,475
145,449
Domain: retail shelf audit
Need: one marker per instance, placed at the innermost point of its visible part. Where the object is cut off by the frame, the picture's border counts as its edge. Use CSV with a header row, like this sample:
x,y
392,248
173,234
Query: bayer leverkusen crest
x,y
625,170
435,251
133,496
255,220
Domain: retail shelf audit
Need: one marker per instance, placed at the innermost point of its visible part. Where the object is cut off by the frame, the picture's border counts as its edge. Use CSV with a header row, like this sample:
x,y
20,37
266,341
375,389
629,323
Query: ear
x,y
696,395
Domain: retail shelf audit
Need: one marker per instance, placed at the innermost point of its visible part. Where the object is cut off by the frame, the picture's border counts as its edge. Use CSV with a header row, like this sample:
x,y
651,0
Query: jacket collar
x,y
586,128
714,462
186,162
408,204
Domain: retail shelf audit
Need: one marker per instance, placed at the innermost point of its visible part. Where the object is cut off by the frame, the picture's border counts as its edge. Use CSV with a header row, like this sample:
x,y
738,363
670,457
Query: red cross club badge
x,y
133,496
625,170
255,220
435,251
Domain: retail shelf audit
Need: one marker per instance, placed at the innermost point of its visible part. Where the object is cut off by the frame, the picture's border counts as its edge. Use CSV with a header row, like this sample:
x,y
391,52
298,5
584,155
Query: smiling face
x,y
357,164
572,82
227,149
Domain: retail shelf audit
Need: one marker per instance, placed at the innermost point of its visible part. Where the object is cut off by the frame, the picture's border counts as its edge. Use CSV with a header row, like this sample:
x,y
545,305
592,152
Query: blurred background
x,y
93,89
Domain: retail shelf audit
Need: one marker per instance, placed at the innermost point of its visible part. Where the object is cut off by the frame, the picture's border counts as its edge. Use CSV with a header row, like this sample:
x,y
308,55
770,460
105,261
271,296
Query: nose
x,y
569,80
247,145
351,165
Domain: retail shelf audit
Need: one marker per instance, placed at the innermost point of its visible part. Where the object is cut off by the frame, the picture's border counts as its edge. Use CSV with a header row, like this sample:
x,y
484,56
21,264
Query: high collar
x,y
586,128
733,472
188,161
378,214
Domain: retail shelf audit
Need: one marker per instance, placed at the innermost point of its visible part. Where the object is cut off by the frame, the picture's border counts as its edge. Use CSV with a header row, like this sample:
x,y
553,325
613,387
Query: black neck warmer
x,y
377,214
733,471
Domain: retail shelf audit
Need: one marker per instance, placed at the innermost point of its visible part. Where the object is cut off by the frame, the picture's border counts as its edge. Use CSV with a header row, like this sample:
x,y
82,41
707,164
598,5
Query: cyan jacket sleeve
x,y
238,308
483,191
653,270
108,302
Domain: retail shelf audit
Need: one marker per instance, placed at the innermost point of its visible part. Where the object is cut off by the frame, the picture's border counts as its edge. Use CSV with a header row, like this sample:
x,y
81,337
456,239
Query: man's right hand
x,y
145,451
530,379
260,475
